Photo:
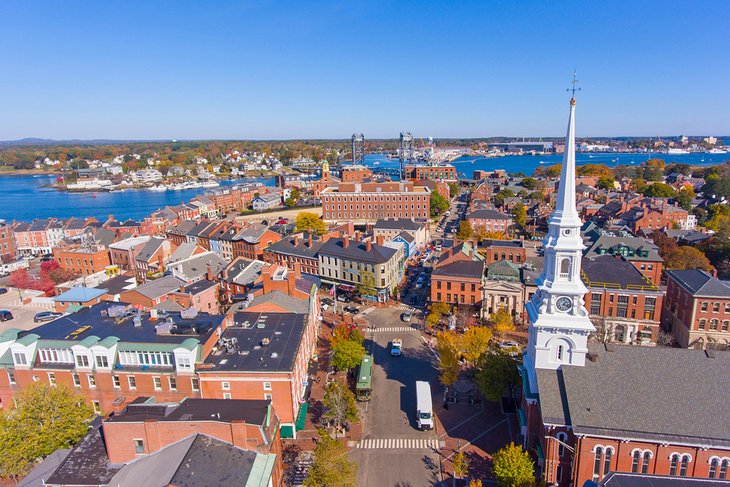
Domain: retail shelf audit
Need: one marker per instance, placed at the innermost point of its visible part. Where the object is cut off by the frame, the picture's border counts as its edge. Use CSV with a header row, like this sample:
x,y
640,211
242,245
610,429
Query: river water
x,y
24,198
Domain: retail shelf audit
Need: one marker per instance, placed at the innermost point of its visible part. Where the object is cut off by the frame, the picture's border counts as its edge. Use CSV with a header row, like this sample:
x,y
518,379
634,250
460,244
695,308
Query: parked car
x,y
5,315
351,309
327,301
343,298
46,316
3,290
407,315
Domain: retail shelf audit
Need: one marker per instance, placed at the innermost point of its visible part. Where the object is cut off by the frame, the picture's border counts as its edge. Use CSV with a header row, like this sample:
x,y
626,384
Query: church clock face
x,y
564,304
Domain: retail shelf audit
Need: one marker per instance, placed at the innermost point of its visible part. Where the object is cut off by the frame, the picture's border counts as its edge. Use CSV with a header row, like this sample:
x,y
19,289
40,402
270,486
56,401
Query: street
x,y
393,452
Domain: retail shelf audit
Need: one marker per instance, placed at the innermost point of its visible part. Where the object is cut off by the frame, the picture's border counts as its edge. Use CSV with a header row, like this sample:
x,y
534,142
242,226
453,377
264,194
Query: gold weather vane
x,y
574,88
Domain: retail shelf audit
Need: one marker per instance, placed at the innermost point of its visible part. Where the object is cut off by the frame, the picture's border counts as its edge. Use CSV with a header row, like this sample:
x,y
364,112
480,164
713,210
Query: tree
x,y
659,190
439,204
21,279
330,467
367,285
461,465
605,182
466,232
44,419
687,258
684,200
666,244
638,185
432,319
307,221
717,187
513,467
519,212
453,189
653,169
475,483
495,372
600,170
530,183
502,321
346,332
502,195
347,354
447,348
475,343
339,404
289,202
441,309
296,194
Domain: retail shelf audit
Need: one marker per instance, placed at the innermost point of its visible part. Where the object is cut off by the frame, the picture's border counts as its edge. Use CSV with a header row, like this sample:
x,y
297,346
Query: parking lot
x,y
22,313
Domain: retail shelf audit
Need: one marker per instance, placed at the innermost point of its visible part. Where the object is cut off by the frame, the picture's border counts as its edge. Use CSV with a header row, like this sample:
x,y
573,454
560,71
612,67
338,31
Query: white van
x,y
424,411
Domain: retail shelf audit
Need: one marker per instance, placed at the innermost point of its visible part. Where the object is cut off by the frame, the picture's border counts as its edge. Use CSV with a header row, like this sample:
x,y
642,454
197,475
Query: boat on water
x,y
543,162
675,150
157,188
376,163
717,151
211,184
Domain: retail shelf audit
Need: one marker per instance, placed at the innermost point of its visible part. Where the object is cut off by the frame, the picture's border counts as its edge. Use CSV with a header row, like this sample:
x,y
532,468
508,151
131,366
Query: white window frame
x,y
267,386
116,382
132,382
226,395
91,380
226,386
157,382
195,384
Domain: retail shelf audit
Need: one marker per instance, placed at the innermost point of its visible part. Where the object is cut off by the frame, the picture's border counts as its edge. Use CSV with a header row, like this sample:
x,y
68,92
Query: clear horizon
x,y
278,71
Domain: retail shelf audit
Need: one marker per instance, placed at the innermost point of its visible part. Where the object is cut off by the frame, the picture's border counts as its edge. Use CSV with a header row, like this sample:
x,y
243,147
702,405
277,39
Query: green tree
x,y
290,202
717,187
502,321
461,465
684,200
513,467
307,221
496,372
347,354
659,190
653,169
519,213
475,343
530,183
441,309
447,348
453,189
687,258
330,467
43,420
553,171
502,195
367,286
296,194
638,185
605,182
340,408
439,204
466,232
432,319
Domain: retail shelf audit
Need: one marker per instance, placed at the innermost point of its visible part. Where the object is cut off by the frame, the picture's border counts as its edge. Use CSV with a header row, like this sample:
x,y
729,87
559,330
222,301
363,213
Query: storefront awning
x,y
302,416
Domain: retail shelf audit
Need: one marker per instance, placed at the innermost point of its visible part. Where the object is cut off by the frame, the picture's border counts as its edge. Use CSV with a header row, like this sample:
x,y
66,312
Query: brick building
x,y
624,305
640,252
458,282
82,259
697,309
513,251
489,221
444,172
7,242
250,242
124,252
362,202
355,174
296,249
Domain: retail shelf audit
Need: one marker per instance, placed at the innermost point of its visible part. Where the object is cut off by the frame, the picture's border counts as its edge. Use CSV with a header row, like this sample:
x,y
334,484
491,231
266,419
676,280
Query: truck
x,y
395,347
424,411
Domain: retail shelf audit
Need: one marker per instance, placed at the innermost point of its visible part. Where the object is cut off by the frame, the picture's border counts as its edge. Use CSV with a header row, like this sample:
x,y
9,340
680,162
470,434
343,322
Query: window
x,y
195,384
713,324
11,377
560,353
92,380
562,438
702,323
132,382
138,446
565,268
713,467
226,395
607,461
725,325
20,359
82,360
226,386
267,386
673,462
559,473
683,466
52,378
116,381
597,462
645,465
172,381
723,469
158,383
704,307
715,307
268,397
102,361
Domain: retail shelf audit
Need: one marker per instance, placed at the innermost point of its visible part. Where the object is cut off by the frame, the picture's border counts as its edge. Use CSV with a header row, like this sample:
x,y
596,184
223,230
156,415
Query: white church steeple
x,y
559,323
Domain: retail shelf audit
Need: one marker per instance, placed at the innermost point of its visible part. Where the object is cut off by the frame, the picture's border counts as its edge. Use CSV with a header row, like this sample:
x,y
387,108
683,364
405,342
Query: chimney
x,y
380,239
291,279
357,236
182,288
310,241
345,242
209,273
225,273
369,245
296,240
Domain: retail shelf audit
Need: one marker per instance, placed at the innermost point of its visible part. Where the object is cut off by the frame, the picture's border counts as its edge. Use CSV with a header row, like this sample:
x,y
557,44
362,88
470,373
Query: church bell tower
x,y
559,324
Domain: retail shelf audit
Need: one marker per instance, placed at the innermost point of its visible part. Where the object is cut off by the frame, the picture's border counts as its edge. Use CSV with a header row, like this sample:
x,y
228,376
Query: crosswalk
x,y
391,328
402,307
398,444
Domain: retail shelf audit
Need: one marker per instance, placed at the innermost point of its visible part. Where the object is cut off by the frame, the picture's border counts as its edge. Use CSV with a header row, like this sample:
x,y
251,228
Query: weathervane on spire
x,y
574,88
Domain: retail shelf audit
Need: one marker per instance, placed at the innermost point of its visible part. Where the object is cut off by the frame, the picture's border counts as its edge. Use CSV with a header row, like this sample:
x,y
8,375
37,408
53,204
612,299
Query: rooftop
x,y
673,395
700,283
621,479
129,243
159,287
79,295
473,269
487,215
357,251
262,342
95,324
397,224
252,411
613,271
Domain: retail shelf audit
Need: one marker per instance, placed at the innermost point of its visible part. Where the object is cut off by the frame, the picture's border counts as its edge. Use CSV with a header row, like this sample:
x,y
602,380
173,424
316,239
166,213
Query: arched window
x,y
713,467
683,466
635,462
560,353
565,268
562,438
723,468
673,462
597,462
607,461
645,465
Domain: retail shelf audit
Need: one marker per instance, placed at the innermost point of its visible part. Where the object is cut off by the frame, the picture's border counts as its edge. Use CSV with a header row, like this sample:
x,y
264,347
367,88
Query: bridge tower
x,y
358,148
405,152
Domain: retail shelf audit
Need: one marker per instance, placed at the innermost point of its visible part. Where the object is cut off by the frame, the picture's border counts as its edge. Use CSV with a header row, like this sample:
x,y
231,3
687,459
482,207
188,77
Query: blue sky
x,y
198,70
